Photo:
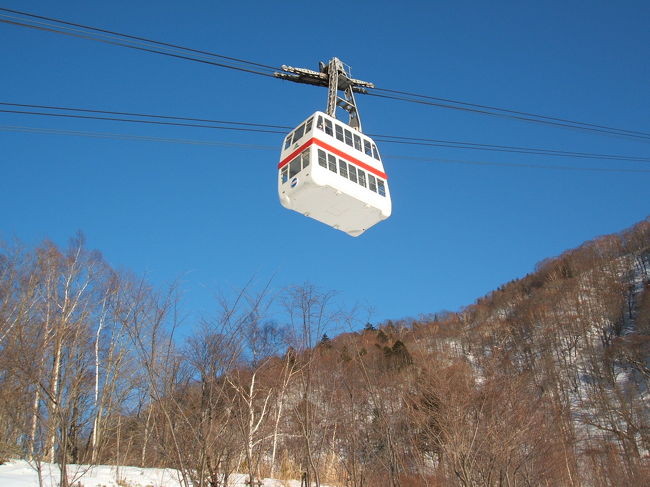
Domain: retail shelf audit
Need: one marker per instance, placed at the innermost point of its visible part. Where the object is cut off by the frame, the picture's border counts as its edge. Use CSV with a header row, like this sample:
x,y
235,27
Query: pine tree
x,y
369,327
325,341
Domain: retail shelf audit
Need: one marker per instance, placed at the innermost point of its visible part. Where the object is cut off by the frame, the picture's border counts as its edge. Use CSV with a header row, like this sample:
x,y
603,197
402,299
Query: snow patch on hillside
x,y
19,473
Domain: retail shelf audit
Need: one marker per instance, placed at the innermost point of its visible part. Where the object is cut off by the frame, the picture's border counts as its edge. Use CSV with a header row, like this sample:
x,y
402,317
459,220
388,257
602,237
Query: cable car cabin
x,y
333,173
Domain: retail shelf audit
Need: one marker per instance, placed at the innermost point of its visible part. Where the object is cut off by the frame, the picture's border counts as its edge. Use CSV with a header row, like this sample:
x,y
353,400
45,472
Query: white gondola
x,y
333,173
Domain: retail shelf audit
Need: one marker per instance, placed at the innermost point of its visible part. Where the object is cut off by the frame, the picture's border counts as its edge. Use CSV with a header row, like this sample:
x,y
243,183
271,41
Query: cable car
x,y
333,173
329,170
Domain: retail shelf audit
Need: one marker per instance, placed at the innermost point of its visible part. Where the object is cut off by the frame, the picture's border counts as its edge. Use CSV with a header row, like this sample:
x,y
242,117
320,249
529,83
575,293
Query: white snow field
x,y
19,473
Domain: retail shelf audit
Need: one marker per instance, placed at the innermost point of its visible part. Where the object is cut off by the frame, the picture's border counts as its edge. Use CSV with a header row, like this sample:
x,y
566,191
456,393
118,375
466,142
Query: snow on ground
x,y
19,473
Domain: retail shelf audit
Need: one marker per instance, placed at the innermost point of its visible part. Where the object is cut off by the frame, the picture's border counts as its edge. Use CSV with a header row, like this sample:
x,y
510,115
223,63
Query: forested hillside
x,y
542,382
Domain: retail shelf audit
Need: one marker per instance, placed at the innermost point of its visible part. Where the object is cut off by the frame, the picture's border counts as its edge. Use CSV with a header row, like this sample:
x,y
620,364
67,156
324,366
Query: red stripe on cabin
x,y
293,155
335,151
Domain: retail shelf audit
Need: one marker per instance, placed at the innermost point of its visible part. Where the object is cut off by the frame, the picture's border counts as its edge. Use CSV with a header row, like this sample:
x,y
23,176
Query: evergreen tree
x,y
369,327
382,337
325,341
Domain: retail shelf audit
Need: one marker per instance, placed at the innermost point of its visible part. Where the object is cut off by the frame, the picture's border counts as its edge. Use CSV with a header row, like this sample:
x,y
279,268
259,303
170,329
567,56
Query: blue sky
x,y
210,216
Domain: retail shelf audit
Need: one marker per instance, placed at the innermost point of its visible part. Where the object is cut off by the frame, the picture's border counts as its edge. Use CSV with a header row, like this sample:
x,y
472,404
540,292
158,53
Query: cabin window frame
x,y
338,130
298,133
375,152
381,188
331,163
362,177
295,166
329,127
352,173
322,158
372,183
343,168
287,141
357,142
305,156
348,137
367,147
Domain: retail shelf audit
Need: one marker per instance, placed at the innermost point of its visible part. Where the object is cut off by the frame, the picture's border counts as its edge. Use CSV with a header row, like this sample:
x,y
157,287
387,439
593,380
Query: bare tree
x,y
288,370
309,312
151,326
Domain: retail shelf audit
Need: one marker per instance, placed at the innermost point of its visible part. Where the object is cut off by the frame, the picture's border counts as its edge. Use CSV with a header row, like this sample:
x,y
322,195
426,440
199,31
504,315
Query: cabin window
x,y
322,158
319,123
287,142
381,189
372,183
339,132
298,133
352,170
367,148
285,174
375,152
305,158
328,127
357,142
362,178
294,167
331,160
348,137
308,124
343,168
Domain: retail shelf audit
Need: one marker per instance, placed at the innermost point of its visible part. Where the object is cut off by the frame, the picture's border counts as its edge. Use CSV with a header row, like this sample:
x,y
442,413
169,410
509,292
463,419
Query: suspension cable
x,y
195,122
195,142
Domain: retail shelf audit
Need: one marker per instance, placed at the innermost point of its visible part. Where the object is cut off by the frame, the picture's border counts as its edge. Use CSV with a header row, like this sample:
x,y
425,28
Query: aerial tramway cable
x,y
134,120
133,37
172,120
642,136
176,52
146,115
186,53
197,142
513,112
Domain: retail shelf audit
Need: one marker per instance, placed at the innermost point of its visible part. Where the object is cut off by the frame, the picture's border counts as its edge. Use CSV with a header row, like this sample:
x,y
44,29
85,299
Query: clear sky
x,y
209,214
